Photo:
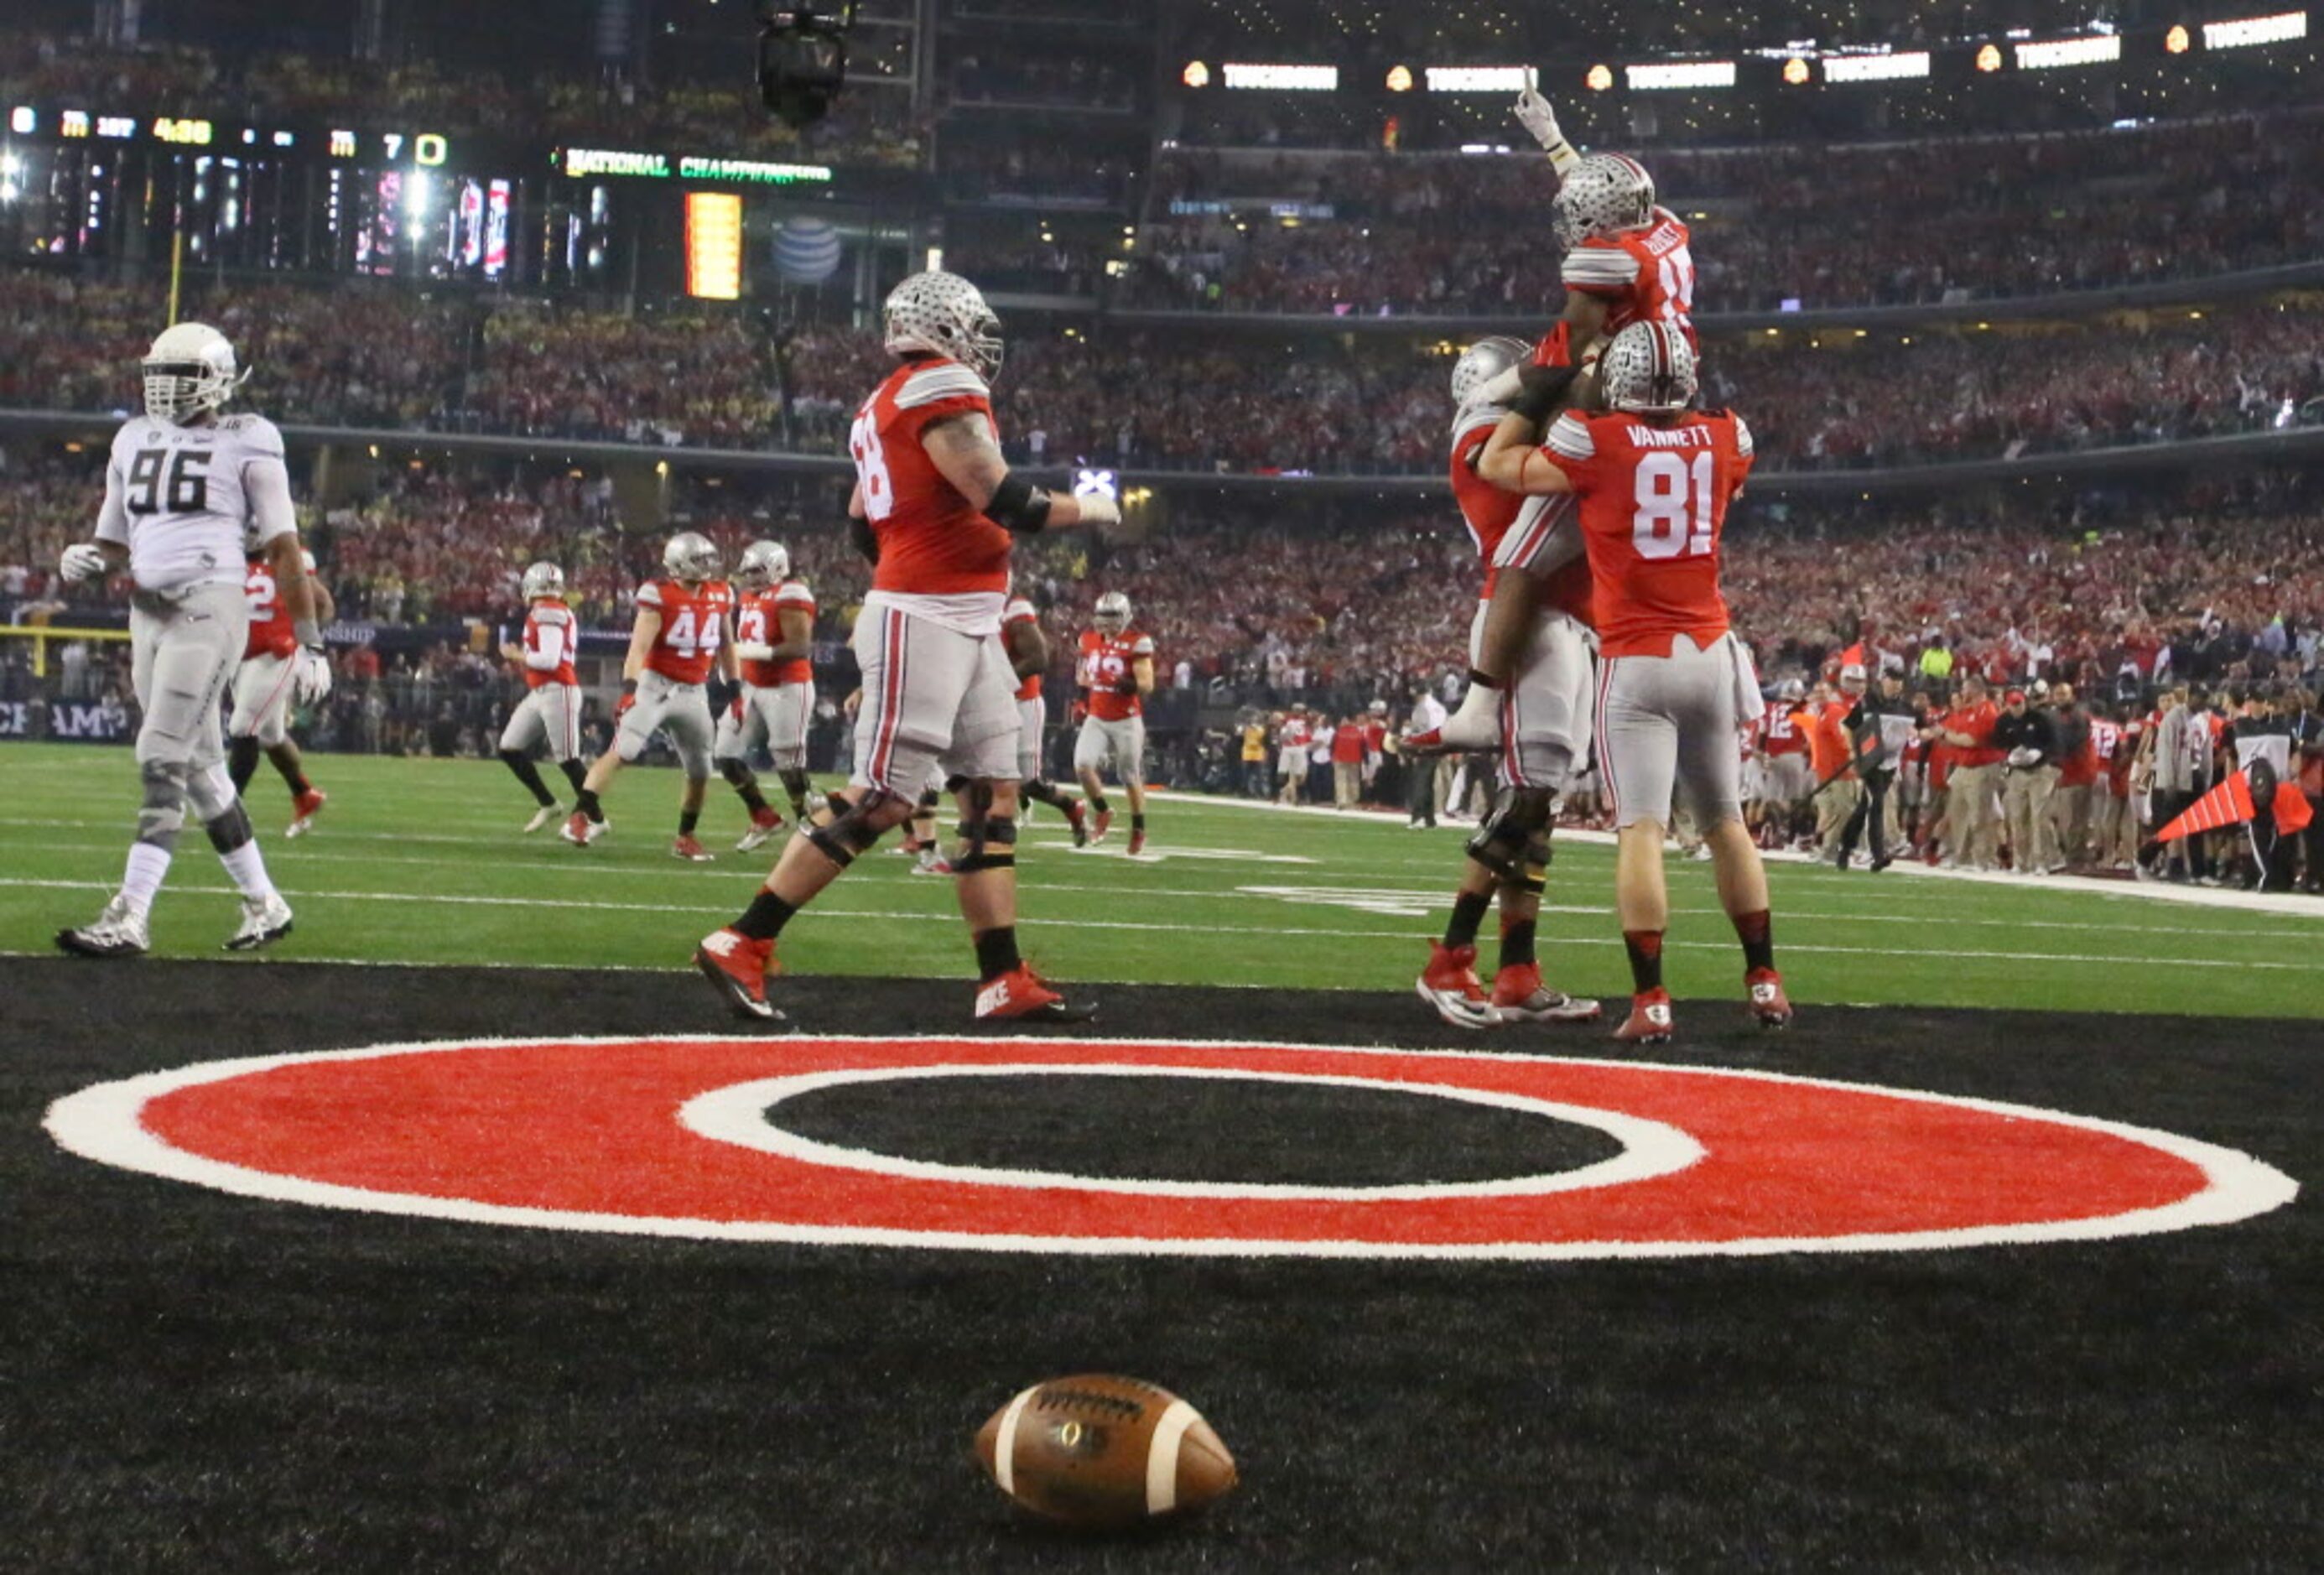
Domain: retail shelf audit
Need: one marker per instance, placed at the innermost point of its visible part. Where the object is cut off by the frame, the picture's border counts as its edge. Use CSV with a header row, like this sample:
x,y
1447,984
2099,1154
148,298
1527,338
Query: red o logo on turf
x,y
684,1137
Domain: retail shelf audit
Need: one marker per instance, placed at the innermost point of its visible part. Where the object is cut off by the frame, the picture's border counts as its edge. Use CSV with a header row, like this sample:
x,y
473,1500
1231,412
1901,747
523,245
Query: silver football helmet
x,y
190,369
1112,614
1481,362
944,314
763,564
690,556
543,579
1603,195
1649,368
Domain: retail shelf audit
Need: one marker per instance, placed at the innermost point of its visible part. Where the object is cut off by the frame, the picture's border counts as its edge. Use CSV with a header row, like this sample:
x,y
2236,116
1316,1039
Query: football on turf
x,y
1102,1452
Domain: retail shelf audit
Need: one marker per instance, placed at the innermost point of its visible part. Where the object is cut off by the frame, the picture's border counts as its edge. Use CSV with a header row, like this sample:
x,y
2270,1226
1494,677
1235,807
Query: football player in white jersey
x,y
181,487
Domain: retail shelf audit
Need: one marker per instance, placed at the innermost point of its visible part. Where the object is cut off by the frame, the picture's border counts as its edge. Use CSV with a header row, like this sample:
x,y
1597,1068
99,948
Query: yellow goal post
x,y
44,635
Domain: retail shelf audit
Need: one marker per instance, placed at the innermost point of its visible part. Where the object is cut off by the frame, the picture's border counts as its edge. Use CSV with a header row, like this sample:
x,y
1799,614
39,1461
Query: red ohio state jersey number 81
x,y
1670,491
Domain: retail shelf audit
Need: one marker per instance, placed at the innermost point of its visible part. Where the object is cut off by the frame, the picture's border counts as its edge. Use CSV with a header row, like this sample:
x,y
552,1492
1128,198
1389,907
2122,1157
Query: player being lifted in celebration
x,y
1029,658
263,682
1547,735
1653,479
1627,260
183,490
943,510
549,718
1116,673
680,638
774,639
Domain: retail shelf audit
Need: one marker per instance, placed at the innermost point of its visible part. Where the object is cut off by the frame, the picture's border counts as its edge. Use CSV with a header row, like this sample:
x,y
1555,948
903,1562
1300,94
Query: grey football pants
x,y
184,650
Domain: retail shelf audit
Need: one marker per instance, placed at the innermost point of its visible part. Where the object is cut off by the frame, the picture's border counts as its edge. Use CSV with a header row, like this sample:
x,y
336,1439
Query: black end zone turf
x,y
194,1381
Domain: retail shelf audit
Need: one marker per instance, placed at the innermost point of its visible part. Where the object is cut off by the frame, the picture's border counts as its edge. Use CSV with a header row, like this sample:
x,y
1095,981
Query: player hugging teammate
x,y
1631,491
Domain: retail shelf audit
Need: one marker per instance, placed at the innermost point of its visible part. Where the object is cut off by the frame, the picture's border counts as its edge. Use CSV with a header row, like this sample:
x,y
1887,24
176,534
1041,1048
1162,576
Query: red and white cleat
x,y
764,823
1078,818
304,808
1520,997
1451,987
1137,841
691,849
1769,1004
1100,824
580,830
1650,1021
1024,996
737,967
932,863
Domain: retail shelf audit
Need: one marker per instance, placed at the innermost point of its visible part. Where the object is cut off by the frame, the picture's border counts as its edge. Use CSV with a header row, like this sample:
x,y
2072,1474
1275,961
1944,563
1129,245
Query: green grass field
x,y
419,862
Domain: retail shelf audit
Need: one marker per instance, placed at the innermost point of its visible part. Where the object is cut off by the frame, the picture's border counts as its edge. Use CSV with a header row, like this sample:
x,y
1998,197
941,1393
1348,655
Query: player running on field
x,y
1653,479
678,640
1116,673
943,510
1029,658
1546,734
774,641
262,686
184,489
549,718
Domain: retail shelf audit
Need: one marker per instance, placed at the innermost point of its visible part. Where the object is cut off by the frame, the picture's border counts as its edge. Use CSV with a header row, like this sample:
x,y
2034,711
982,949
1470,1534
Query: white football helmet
x,y
945,314
763,564
1603,195
1112,614
1481,362
1650,368
190,369
690,556
543,579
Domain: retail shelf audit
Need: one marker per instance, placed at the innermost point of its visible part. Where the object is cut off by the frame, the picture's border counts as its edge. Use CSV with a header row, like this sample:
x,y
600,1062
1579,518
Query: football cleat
x,y
1520,997
1023,996
764,823
1769,1004
1449,984
116,932
1136,842
737,966
304,808
264,921
691,849
1650,1021
1100,824
547,815
932,863
1078,818
581,831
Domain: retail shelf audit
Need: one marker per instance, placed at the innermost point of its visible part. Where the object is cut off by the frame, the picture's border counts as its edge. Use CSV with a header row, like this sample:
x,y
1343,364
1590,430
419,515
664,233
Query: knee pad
x,y
162,813
212,793
1514,842
850,831
230,829
991,843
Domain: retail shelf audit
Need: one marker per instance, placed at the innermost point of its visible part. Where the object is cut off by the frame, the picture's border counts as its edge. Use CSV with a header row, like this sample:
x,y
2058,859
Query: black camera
x,y
802,58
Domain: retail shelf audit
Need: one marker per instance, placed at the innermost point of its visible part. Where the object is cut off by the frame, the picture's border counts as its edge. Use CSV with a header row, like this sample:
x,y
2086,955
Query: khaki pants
x,y
2070,818
1972,829
1347,783
1835,801
2026,800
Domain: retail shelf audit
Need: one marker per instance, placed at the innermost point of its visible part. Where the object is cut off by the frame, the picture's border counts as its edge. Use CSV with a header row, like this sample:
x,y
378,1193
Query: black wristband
x,y
629,685
1541,389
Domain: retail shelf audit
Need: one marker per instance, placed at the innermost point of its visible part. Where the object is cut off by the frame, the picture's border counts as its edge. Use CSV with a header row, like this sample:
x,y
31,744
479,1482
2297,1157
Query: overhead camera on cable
x,y
802,57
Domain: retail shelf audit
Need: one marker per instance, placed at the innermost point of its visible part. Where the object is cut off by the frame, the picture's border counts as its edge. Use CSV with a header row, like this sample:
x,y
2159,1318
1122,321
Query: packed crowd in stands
x,y
1897,224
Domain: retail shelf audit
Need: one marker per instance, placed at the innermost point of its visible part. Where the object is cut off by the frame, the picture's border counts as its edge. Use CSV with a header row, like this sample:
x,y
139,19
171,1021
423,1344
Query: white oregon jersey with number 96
x,y
182,496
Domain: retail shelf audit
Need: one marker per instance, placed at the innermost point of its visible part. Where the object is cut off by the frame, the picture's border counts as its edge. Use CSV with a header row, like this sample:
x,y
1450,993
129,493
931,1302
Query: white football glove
x,y
1098,509
83,560
754,650
1540,120
310,679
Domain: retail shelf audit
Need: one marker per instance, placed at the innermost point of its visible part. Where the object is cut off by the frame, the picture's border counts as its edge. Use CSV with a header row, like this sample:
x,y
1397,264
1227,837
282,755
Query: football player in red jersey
x,y
1115,673
1653,479
680,637
942,511
1029,658
1627,260
1547,740
263,684
550,716
774,642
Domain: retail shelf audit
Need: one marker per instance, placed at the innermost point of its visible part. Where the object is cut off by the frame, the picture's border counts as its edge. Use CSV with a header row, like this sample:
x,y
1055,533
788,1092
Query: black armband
x,y
1541,389
1019,507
